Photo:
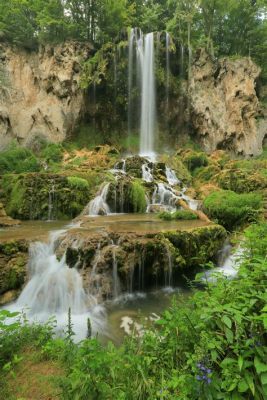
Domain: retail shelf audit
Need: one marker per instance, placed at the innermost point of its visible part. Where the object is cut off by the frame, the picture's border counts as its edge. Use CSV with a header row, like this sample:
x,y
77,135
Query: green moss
x,y
52,152
77,183
194,160
231,209
241,181
138,197
18,159
177,215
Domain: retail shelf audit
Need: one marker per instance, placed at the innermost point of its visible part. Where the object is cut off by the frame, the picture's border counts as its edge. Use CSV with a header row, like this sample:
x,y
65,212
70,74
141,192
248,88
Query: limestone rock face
x,y
40,96
225,109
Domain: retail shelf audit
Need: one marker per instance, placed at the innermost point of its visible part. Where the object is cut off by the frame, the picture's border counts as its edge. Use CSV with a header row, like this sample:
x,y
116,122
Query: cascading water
x,y
167,69
142,46
147,175
51,201
116,282
54,288
148,107
171,177
99,206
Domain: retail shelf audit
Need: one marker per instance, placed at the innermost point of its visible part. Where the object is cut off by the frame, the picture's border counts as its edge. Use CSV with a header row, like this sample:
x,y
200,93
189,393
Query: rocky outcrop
x,y
13,268
40,96
225,109
139,259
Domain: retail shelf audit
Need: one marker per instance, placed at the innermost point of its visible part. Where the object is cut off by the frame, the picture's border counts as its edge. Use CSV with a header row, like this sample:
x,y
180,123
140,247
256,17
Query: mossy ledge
x,y
183,250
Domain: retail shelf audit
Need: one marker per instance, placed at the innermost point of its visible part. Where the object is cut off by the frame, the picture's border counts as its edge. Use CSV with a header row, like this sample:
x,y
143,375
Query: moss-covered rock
x,y
231,209
47,196
142,259
127,195
241,181
13,262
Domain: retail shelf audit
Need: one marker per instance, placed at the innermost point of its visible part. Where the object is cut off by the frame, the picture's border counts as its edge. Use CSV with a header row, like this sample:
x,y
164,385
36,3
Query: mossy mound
x,y
231,209
193,159
47,196
177,215
127,195
241,181
13,262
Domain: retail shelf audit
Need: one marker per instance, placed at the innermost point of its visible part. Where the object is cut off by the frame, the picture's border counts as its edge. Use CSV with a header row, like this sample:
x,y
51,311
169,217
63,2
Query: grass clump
x,y
17,160
138,197
194,160
231,209
78,183
52,152
178,215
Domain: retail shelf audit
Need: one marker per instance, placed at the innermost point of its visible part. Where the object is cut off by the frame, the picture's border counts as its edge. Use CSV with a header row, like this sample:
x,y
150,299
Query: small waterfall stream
x,y
54,288
99,206
148,108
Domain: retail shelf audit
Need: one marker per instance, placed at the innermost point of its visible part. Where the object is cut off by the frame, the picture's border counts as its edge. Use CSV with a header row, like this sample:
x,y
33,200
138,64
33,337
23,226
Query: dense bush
x,y
52,152
138,197
18,159
180,214
231,209
194,160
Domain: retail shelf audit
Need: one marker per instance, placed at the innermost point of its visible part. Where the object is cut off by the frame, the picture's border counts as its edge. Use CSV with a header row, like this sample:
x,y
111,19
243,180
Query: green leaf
x,y
229,335
242,386
264,378
260,367
226,320
240,363
249,380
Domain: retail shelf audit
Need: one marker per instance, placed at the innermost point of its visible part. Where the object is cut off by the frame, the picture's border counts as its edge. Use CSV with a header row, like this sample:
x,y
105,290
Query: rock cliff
x,y
39,92
225,110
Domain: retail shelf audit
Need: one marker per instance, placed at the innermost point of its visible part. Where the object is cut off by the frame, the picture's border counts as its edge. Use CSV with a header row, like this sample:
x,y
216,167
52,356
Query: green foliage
x,y
18,159
195,160
52,152
180,214
77,183
231,209
138,197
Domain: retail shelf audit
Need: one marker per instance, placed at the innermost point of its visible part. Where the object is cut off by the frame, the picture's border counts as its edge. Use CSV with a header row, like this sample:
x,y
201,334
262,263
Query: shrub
x,y
52,152
17,160
138,197
77,183
195,160
180,214
231,209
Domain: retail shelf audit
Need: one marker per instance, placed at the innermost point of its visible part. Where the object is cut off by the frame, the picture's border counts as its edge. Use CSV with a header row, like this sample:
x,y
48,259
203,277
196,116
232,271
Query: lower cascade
x,y
54,289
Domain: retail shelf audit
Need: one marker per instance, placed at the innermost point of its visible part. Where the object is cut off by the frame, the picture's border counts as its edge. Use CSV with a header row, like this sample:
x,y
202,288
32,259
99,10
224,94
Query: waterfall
x,y
148,107
167,69
116,282
163,195
168,273
141,56
130,78
182,61
54,288
99,206
147,175
171,177
51,200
